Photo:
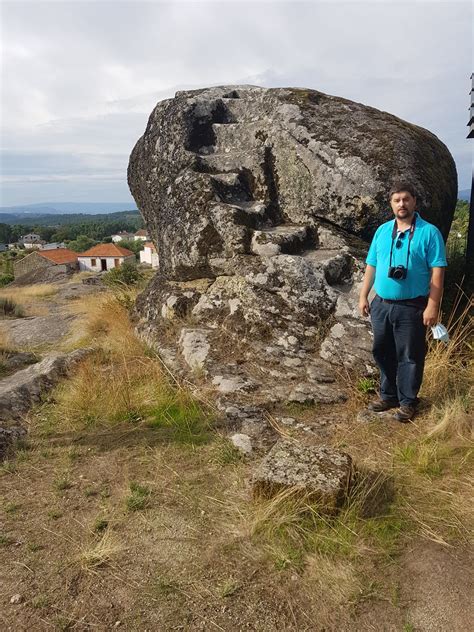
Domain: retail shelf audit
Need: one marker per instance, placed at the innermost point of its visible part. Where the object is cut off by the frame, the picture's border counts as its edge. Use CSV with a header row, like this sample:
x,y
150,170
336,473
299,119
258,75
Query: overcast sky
x,y
79,79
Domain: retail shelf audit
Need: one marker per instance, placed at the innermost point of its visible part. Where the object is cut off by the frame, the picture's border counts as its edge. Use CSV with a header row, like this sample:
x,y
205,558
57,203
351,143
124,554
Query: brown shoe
x,y
381,405
405,414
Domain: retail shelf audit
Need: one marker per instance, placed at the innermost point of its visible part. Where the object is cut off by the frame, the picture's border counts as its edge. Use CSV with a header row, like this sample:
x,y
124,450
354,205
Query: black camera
x,y
397,272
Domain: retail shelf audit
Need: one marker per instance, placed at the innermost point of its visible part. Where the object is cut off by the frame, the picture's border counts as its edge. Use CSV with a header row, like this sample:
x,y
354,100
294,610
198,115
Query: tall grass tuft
x,y
10,309
122,382
448,368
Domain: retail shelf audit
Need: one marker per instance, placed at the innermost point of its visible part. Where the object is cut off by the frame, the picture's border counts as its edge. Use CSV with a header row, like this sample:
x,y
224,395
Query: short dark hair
x,y
402,185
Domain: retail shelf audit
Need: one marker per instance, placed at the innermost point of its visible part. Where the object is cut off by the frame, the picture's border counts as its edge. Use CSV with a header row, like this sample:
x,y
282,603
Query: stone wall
x,y
33,261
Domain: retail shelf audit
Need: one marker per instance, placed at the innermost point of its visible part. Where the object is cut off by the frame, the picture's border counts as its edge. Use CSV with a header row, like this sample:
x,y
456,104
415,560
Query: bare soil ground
x,y
123,527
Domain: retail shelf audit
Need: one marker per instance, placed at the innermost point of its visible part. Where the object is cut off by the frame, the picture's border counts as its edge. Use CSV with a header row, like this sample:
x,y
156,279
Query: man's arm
x,y
430,315
367,284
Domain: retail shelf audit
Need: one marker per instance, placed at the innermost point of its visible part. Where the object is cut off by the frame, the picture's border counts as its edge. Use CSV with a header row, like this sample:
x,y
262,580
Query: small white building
x,y
104,257
32,240
149,255
123,236
141,235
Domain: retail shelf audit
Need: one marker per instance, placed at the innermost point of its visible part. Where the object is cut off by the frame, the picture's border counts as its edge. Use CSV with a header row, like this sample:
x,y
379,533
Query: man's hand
x,y
430,316
364,307
367,283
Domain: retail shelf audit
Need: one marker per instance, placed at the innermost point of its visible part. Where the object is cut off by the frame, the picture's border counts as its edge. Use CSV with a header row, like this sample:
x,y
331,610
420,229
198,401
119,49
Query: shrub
x,y
126,274
10,308
5,279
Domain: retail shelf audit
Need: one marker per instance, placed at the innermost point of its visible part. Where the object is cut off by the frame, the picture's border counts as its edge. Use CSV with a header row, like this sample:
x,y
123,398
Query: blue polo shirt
x,y
427,251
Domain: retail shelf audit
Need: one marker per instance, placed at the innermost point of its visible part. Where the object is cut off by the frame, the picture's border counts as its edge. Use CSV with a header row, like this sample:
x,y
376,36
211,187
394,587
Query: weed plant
x,y
10,309
138,498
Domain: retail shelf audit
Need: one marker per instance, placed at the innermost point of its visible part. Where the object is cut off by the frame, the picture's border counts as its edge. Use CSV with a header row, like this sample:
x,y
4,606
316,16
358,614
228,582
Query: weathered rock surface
x,y
21,390
35,331
13,360
261,203
324,474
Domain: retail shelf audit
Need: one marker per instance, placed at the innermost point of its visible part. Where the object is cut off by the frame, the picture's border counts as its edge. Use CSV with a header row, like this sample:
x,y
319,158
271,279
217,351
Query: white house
x,y
32,240
104,257
141,235
149,255
123,236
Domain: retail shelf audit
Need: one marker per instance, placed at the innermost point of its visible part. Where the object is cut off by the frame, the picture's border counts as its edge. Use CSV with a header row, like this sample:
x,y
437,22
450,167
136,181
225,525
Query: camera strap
x,y
410,237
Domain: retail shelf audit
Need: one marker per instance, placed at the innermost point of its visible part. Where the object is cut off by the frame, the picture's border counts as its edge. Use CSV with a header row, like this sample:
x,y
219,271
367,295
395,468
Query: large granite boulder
x,y
261,203
218,164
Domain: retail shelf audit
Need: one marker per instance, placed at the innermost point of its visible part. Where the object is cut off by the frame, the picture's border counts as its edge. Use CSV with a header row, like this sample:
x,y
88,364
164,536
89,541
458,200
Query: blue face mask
x,y
440,332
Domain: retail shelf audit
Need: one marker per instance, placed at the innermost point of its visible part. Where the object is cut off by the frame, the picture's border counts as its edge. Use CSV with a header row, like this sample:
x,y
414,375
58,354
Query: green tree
x,y
5,233
81,243
134,246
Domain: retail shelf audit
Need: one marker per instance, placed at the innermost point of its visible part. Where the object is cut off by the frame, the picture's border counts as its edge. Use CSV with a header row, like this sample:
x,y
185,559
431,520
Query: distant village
x,y
100,258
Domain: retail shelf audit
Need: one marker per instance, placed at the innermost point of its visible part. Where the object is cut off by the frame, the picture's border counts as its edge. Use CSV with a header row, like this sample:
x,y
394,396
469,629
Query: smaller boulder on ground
x,y
321,472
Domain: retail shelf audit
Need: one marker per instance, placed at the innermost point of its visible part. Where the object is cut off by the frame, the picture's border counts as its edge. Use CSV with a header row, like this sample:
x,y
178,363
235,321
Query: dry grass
x,y
23,294
123,381
337,580
449,367
79,276
99,553
32,299
4,341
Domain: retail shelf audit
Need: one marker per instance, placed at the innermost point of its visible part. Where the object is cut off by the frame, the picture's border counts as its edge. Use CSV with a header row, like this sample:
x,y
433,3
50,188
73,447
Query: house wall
x,y
85,263
34,261
117,238
148,256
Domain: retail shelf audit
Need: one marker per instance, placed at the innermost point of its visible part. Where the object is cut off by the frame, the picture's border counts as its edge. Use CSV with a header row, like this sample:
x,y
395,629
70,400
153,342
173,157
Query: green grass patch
x,y
100,525
367,385
61,483
139,497
181,419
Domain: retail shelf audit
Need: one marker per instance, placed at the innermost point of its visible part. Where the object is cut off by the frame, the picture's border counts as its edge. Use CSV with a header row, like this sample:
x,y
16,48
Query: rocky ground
x,y
106,527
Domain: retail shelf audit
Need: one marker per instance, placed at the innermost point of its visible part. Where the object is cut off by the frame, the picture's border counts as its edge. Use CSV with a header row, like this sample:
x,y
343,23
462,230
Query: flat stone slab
x,y
321,472
37,330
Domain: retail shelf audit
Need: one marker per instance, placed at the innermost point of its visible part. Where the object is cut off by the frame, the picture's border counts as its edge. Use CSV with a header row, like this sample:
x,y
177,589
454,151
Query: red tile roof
x,y
59,255
141,233
151,245
106,250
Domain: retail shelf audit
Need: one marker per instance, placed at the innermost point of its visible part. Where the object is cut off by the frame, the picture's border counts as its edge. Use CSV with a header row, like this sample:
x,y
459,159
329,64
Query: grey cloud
x,y
81,78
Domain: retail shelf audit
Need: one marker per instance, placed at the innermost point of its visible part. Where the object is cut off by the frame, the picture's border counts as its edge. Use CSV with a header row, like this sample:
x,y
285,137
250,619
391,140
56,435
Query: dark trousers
x,y
399,349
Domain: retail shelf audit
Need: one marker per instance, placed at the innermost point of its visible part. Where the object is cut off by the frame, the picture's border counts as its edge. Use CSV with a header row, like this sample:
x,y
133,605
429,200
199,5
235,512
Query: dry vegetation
x,y
127,506
30,299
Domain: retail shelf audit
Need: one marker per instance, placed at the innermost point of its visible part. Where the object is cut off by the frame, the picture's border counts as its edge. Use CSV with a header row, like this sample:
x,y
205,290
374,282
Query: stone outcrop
x,y
34,331
321,473
261,203
24,388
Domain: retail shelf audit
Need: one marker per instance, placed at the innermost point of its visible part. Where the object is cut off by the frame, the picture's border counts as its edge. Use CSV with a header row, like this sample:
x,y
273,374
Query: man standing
x,y
405,264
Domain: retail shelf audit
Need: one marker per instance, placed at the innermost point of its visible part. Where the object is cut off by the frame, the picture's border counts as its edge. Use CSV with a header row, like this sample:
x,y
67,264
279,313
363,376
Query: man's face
x,y
403,205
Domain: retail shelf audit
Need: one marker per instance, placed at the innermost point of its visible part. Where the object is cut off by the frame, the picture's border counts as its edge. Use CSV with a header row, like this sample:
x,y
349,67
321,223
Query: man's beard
x,y
405,213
